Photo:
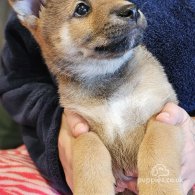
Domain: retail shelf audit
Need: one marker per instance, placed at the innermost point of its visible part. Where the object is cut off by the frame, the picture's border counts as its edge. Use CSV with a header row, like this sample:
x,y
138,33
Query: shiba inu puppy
x,y
93,48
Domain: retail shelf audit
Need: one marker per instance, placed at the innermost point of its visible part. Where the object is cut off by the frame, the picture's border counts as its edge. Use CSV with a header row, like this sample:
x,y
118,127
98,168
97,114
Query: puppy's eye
x,y
81,10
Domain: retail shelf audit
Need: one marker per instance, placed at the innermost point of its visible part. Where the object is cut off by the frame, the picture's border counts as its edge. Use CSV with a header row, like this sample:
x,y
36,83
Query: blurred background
x,y
4,11
10,135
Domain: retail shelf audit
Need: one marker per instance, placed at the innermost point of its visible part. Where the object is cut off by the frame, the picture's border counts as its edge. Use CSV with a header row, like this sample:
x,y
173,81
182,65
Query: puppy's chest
x,y
123,113
117,115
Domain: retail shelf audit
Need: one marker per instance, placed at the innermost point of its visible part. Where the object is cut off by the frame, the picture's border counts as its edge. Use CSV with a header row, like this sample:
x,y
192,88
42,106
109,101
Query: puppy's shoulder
x,y
143,56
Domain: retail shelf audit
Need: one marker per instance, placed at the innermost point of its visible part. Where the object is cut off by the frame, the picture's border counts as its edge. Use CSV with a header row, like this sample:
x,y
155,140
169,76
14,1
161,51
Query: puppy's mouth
x,y
121,45
115,47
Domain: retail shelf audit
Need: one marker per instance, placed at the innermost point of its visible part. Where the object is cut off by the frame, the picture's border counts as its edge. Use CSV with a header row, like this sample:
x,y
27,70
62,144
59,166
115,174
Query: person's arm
x,y
29,94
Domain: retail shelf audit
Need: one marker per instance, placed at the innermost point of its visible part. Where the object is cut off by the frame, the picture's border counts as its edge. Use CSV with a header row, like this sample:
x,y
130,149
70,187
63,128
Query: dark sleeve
x,y
29,94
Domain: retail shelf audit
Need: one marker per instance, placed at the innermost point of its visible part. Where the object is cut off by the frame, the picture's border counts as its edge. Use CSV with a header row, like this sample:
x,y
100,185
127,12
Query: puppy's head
x,y
103,28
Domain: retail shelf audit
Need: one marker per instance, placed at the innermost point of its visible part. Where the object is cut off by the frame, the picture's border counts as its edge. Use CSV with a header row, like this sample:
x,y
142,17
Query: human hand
x,y
174,115
72,125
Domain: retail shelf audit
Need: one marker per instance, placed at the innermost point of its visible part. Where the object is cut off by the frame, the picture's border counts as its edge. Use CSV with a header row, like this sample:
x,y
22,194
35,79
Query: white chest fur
x,y
124,113
142,95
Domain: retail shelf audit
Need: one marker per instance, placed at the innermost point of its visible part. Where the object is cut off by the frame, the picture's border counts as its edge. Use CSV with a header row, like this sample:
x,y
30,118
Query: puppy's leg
x,y
159,160
92,168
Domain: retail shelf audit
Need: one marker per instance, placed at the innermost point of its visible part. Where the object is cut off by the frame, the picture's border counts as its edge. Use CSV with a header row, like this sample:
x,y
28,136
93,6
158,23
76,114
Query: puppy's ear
x,y
28,11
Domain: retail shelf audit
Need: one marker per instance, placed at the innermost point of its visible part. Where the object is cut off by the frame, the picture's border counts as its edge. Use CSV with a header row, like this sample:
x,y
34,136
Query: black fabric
x,y
29,94
10,133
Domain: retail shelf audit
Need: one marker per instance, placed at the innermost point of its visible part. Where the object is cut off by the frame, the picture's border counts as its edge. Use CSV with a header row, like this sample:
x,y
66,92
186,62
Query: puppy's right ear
x,y
28,11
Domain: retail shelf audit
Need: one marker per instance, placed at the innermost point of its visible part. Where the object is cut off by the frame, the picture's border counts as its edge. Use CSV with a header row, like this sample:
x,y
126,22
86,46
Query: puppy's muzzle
x,y
128,12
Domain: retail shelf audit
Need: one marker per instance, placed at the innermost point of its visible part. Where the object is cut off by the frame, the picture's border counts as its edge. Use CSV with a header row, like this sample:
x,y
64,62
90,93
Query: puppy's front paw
x,y
159,160
160,188
92,168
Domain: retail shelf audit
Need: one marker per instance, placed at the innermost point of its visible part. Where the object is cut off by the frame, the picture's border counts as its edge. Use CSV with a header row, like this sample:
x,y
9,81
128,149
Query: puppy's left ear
x,y
28,11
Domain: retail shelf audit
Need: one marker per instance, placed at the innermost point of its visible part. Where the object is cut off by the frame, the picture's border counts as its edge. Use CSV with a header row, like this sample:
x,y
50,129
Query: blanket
x,y
18,175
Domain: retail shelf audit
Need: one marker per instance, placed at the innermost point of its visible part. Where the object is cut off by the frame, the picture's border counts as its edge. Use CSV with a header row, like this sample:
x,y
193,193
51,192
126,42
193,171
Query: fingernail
x,y
80,128
163,116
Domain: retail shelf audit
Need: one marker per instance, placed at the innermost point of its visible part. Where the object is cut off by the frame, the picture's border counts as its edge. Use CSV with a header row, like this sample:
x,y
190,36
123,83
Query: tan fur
x,y
124,136
92,163
162,144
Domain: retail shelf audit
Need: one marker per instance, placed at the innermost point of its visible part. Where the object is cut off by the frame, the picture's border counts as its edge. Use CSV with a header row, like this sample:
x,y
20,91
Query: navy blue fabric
x,y
170,36
29,93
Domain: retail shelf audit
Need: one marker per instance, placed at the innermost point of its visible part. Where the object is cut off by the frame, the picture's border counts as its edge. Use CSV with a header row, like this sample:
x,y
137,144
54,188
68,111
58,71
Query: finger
x,y
79,129
77,124
65,147
187,186
67,166
69,180
172,114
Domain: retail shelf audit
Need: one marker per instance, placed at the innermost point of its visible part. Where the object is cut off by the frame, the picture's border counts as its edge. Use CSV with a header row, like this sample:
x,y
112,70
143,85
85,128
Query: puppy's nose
x,y
128,11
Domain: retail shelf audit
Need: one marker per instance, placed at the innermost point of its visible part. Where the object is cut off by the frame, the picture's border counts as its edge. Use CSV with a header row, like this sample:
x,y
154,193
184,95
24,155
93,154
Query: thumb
x,y
172,114
77,124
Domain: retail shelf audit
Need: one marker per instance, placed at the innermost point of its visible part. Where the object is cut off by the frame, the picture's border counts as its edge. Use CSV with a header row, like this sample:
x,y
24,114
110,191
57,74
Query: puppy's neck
x,y
99,77
89,69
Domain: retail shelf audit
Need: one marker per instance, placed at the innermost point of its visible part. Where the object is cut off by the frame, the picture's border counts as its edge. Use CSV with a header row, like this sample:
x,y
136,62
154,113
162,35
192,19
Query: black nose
x,y
128,11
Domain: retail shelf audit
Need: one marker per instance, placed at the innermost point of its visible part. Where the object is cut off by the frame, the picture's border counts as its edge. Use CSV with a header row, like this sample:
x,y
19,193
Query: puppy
x,y
94,50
